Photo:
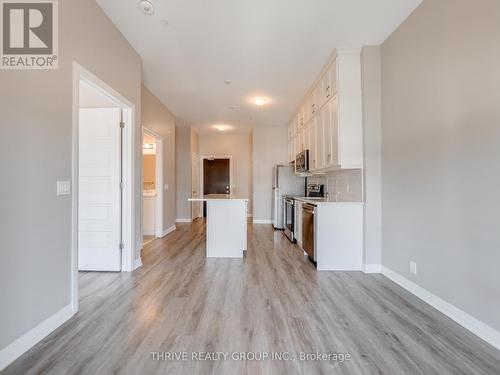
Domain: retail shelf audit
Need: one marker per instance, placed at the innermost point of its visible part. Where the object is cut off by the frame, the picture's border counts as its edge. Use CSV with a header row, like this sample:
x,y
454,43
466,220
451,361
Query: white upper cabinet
x,y
300,118
317,94
307,109
329,121
312,143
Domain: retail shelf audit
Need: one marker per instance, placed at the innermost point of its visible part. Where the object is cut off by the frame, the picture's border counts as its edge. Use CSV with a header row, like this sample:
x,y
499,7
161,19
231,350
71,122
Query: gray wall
x,y
239,146
372,124
441,152
157,117
183,146
269,149
36,133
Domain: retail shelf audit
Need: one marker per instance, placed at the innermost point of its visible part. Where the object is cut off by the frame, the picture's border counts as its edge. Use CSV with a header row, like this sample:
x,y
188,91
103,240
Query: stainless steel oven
x,y
308,230
289,217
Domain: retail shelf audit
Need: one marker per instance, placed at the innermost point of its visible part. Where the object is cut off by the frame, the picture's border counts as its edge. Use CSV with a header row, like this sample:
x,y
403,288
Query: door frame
x,y
231,185
195,160
159,181
128,173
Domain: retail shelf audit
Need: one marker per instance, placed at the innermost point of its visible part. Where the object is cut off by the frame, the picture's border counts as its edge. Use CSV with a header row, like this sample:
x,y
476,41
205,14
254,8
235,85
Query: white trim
x,y
159,180
24,343
485,332
258,221
137,263
168,230
149,233
372,268
186,220
128,205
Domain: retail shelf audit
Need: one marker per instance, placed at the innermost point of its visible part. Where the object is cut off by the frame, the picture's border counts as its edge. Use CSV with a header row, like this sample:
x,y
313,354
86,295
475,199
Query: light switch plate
x,y
413,267
63,187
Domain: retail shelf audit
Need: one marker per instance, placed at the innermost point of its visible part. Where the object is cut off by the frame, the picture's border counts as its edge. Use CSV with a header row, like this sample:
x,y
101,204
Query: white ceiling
x,y
272,48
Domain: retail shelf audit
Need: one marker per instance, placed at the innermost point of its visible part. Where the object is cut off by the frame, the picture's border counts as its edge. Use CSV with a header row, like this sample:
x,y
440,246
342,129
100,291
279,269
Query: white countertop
x,y
318,202
217,197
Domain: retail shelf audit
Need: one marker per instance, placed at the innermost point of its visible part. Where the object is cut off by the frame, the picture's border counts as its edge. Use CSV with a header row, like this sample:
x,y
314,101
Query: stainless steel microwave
x,y
302,162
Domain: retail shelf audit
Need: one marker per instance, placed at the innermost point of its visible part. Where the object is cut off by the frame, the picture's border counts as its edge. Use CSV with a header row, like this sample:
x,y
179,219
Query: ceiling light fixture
x,y
260,101
147,7
222,127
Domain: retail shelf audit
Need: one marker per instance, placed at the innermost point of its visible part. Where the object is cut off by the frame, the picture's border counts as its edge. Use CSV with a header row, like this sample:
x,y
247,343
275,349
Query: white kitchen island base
x,y
226,226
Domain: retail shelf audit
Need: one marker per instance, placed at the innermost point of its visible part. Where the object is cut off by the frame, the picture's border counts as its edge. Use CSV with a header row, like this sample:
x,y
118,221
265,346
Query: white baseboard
x,y
168,230
186,220
256,221
485,332
16,349
147,232
137,263
372,268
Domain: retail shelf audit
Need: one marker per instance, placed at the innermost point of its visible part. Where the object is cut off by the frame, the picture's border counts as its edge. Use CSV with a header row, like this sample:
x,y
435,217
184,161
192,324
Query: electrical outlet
x,y
413,267
63,188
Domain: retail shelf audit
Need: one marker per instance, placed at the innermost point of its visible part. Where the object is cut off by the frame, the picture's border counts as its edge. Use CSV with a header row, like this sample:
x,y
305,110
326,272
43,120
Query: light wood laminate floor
x,y
273,300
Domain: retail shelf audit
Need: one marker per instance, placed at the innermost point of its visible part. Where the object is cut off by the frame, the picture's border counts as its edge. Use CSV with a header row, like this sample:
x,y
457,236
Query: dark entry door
x,y
215,177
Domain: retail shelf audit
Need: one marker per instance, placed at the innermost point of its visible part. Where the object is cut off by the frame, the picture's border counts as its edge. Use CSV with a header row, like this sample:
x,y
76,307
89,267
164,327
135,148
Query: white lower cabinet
x,y
149,215
339,236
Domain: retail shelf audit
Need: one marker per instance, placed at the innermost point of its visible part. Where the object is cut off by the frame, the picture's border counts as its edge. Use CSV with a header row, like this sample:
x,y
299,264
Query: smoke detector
x,y
147,7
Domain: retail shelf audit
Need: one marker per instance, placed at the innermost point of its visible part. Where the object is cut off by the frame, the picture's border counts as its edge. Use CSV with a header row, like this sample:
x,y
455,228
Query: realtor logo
x,y
29,34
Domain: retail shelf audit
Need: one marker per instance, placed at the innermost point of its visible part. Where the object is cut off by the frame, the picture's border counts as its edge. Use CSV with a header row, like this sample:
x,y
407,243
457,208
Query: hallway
x,y
271,301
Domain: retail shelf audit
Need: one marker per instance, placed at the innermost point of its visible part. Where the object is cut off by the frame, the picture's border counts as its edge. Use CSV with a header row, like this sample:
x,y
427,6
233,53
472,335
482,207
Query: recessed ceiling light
x,y
147,7
260,101
222,127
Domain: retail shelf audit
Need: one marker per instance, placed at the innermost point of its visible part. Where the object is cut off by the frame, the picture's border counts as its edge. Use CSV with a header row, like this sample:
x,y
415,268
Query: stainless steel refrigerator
x,y
285,182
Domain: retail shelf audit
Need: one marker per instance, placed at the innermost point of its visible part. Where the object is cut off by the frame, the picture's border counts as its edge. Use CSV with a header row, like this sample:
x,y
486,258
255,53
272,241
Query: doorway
x,y
102,201
152,182
216,177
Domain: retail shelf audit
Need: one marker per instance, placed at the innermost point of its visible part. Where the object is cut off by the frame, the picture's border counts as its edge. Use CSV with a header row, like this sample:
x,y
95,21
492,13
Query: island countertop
x,y
217,197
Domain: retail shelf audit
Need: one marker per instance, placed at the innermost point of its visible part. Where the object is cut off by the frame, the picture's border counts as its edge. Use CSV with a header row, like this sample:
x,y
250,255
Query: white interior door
x,y
99,194
195,185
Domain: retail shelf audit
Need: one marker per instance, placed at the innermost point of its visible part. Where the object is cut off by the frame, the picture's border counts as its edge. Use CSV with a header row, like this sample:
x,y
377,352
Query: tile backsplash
x,y
342,185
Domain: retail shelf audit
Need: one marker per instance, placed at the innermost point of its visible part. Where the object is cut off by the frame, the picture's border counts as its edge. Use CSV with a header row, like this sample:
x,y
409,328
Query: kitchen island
x,y
226,225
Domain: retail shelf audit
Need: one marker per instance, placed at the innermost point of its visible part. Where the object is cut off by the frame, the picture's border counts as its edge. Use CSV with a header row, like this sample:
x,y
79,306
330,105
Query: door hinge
x,y
122,246
122,124
122,185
